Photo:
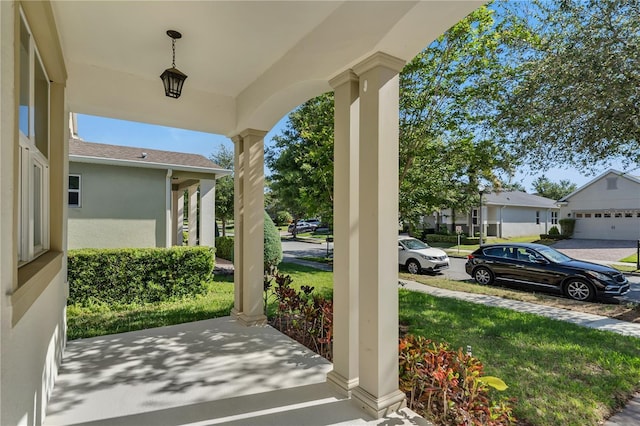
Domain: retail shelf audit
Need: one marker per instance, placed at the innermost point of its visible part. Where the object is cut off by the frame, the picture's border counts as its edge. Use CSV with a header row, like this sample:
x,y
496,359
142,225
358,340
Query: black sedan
x,y
542,267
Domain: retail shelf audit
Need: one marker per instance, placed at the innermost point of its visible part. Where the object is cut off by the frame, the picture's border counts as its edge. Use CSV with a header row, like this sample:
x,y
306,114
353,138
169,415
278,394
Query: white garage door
x,y
606,226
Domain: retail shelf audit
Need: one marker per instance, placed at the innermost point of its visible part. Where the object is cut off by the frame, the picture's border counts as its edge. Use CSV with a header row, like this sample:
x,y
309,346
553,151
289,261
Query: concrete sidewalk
x,y
630,415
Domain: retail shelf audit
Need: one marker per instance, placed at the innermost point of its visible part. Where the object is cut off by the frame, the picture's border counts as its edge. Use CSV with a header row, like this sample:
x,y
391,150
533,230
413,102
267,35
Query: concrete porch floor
x,y
202,373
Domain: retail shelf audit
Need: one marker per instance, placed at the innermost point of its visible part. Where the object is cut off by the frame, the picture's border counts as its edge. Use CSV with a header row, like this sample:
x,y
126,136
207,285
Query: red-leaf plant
x,y
446,386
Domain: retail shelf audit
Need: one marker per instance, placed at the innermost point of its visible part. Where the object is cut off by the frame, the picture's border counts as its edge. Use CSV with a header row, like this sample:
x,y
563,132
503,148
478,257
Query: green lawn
x,y
559,373
631,259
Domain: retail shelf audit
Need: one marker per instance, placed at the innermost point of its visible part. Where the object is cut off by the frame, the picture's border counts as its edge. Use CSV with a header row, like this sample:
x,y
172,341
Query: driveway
x,y
600,250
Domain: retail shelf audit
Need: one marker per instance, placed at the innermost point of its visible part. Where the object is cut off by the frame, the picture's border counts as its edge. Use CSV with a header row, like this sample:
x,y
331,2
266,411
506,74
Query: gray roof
x,y
518,198
81,150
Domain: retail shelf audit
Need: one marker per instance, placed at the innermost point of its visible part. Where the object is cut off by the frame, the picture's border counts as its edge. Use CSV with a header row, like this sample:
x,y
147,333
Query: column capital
x,y
252,134
379,59
342,78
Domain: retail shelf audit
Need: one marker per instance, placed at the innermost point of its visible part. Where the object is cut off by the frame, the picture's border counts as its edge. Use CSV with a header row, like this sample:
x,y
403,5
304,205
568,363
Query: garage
x,y
607,208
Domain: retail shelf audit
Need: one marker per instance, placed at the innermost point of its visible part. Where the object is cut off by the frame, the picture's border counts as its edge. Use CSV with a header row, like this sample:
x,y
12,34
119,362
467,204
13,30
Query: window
x,y
537,217
597,215
474,217
33,123
617,215
628,214
74,191
586,215
554,218
578,215
607,215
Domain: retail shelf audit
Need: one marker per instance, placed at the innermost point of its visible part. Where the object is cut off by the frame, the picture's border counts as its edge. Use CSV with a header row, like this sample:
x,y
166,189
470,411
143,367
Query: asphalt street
x,y
455,272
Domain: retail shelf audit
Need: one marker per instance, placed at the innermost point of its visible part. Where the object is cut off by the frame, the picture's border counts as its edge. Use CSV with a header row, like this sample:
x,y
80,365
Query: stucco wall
x,y
600,198
32,309
120,207
521,221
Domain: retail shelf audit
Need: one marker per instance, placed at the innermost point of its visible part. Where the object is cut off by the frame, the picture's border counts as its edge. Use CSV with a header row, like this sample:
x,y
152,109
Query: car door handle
x,y
519,266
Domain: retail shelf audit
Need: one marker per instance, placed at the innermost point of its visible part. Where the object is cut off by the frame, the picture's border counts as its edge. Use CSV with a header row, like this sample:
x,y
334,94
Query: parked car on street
x,y
536,266
301,227
417,256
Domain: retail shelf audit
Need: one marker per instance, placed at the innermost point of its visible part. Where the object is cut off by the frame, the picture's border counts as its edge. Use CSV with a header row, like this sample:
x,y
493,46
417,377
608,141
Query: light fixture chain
x,y
173,48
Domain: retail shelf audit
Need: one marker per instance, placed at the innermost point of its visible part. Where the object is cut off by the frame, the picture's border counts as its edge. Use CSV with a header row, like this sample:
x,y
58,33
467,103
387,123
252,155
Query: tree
x,y
449,94
575,99
545,188
301,161
224,186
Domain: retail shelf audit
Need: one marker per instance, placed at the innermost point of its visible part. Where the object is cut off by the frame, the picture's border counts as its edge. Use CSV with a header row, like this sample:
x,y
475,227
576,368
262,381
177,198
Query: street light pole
x,y
480,224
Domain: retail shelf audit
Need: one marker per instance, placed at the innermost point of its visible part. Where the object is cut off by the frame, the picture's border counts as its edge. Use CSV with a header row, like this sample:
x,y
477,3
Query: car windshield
x,y
413,244
554,255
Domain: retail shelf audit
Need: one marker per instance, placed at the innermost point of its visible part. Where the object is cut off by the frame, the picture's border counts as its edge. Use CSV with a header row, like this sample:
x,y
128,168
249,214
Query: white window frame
x,y
33,214
537,217
554,217
76,191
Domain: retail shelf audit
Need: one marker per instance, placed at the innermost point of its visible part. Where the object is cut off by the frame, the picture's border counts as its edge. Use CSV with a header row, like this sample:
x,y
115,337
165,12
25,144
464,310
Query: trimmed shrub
x,y
554,230
125,276
272,244
567,225
224,248
437,238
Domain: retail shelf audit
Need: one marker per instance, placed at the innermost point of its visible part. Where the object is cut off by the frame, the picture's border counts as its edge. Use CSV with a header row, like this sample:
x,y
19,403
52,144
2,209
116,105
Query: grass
x,y
630,259
559,373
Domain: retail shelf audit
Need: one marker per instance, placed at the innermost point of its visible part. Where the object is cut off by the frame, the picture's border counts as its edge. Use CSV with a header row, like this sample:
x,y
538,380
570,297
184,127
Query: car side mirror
x,y
400,247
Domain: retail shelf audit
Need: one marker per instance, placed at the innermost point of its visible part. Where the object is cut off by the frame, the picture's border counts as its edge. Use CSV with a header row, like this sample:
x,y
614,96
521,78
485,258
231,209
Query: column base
x,y
248,320
340,384
379,407
235,314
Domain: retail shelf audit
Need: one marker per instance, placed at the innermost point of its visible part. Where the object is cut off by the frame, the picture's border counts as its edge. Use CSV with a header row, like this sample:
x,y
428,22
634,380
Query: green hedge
x,y
437,238
224,248
125,276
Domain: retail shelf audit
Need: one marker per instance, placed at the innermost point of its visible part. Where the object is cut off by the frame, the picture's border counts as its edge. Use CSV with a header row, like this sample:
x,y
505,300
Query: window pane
x,y
74,182
74,199
41,91
37,206
24,79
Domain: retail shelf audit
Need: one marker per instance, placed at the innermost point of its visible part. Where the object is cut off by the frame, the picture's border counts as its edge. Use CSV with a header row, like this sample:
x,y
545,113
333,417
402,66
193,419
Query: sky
x,y
140,135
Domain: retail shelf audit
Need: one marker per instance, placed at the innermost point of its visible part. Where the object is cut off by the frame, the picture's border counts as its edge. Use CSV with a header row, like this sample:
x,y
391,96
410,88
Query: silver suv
x,y
418,256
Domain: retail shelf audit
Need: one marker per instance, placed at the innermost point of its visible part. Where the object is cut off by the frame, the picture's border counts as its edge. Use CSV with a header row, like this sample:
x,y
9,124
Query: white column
x,y
169,217
208,212
238,224
249,245
178,216
193,215
377,392
344,375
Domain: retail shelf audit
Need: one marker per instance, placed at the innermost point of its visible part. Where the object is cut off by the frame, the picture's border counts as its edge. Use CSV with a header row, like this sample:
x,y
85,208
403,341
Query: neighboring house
x,y
58,57
134,197
508,214
606,208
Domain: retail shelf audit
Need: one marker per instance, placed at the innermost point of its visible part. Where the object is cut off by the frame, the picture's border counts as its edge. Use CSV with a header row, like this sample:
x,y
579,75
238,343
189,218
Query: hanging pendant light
x,y
173,78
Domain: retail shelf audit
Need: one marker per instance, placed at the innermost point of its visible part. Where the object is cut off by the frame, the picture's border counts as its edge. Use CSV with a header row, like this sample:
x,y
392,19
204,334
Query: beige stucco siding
x,y
120,207
32,310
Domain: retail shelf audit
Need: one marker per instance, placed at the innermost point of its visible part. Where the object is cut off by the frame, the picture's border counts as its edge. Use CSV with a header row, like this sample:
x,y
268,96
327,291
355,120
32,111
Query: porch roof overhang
x,y
200,172
248,62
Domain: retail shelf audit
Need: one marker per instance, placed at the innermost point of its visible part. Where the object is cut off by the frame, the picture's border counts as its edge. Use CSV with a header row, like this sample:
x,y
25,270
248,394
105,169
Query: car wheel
x,y
579,290
413,267
483,276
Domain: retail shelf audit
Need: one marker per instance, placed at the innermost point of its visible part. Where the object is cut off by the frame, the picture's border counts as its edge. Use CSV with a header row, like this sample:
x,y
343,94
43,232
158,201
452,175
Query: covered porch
x,y
203,373
249,64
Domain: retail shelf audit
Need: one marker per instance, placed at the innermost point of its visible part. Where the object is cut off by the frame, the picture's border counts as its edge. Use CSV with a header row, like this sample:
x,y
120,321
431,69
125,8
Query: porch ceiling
x,y
248,62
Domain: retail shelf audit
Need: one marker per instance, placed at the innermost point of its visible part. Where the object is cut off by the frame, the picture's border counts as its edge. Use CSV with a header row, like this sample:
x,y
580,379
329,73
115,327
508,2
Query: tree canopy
x,y
554,190
575,99
224,186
